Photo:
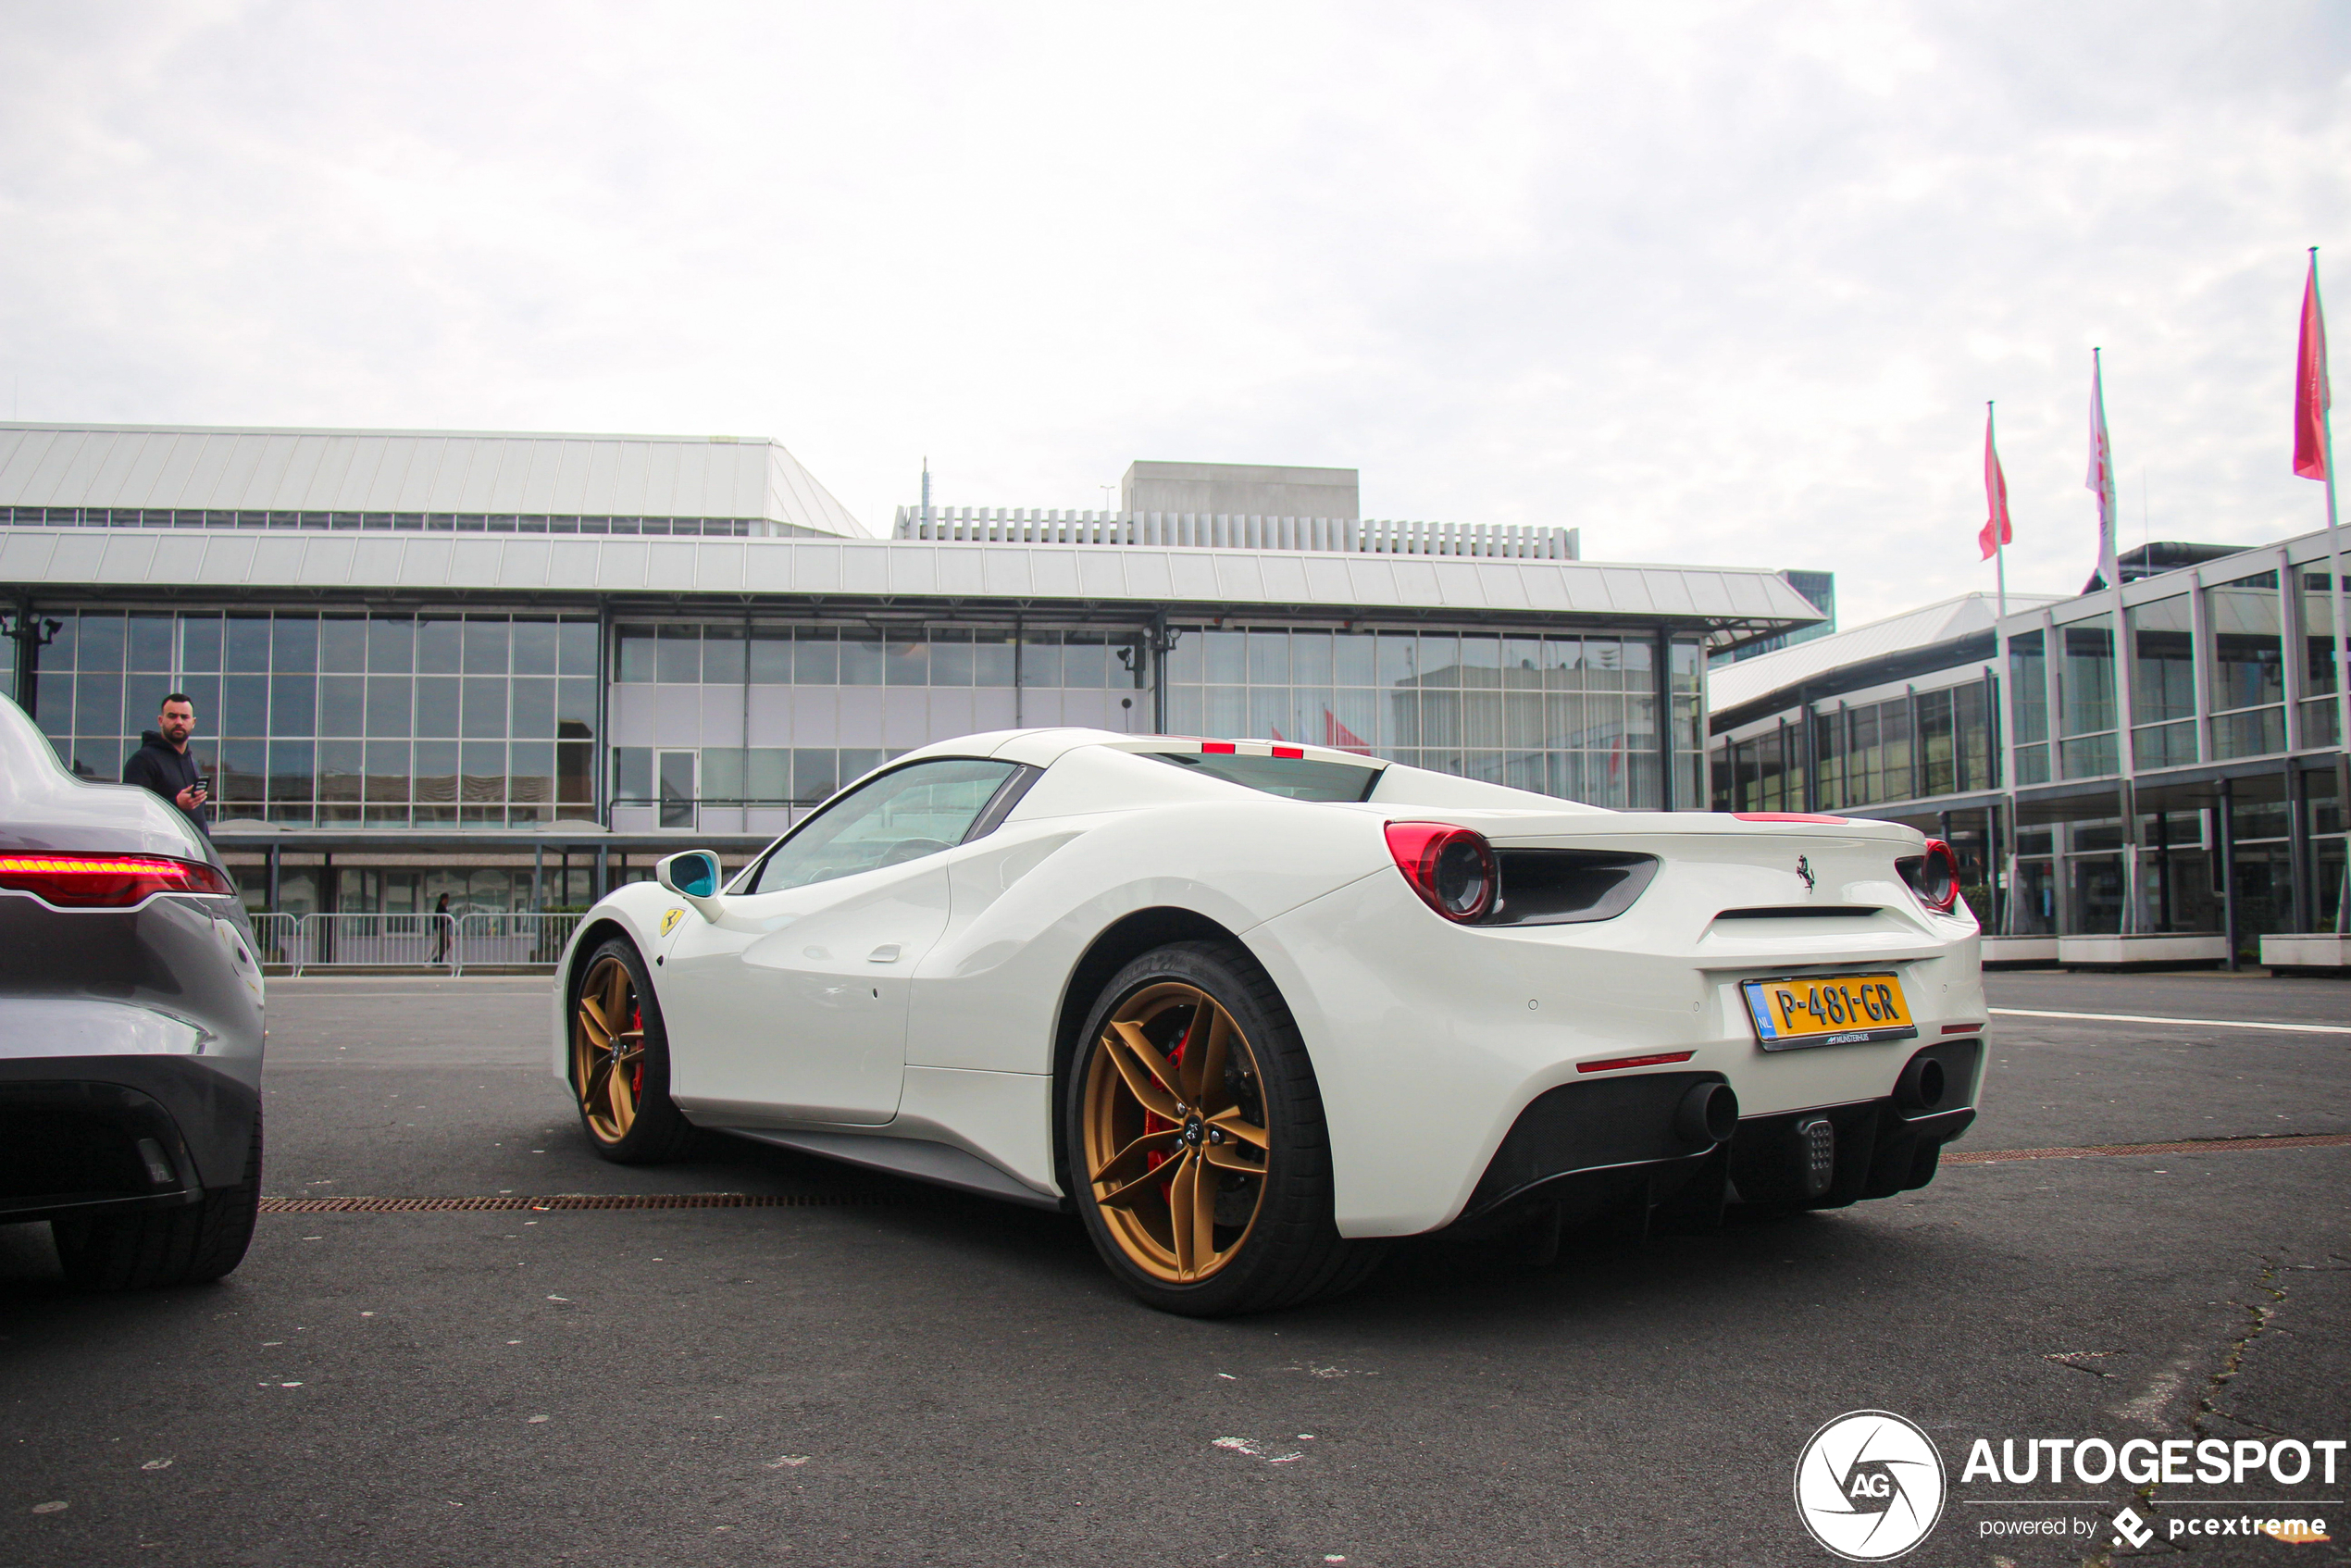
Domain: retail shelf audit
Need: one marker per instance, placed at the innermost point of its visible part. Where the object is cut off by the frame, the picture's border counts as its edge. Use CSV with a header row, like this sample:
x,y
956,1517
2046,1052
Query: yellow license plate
x,y
1828,1009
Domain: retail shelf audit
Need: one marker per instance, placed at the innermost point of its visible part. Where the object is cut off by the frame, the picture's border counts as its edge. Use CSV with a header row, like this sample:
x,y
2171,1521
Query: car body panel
x,y
1430,1039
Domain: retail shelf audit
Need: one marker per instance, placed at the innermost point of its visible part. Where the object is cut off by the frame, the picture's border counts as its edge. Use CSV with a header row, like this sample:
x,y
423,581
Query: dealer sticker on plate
x,y
1828,1009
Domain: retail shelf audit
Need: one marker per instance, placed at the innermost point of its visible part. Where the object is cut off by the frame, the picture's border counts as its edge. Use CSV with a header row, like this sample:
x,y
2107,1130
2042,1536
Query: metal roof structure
x,y
983,525
1733,605
298,473
1732,687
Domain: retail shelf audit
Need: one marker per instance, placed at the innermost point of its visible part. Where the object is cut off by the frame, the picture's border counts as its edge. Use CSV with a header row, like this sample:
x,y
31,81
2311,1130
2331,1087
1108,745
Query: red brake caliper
x,y
637,1075
1152,1120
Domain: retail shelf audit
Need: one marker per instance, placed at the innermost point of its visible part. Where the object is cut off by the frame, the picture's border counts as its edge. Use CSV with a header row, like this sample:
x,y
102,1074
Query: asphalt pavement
x,y
876,1373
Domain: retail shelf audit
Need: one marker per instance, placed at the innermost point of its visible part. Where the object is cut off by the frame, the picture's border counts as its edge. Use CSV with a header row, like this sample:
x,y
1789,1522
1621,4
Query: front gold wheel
x,y
1175,1132
608,1050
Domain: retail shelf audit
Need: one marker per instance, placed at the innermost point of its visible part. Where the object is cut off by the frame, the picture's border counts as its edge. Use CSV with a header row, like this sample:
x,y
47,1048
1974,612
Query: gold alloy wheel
x,y
608,1050
1175,1132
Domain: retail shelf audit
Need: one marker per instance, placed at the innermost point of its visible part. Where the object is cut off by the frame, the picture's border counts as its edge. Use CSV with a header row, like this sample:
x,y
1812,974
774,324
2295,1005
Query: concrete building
x,y
2148,773
516,668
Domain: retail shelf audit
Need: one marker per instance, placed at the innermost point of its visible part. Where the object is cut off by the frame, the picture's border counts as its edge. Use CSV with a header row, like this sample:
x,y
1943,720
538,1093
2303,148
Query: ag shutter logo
x,y
1870,1486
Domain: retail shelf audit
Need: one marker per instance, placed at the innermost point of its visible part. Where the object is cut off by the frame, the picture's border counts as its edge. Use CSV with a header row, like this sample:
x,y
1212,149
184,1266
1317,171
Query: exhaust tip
x,y
1923,1085
1708,1114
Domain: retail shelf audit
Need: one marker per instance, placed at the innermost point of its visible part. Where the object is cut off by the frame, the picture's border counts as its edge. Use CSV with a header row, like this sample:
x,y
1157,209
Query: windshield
x,y
916,811
1299,778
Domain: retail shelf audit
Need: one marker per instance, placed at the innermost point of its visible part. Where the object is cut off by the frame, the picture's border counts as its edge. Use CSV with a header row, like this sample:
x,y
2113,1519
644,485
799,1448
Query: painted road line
x,y
2141,1018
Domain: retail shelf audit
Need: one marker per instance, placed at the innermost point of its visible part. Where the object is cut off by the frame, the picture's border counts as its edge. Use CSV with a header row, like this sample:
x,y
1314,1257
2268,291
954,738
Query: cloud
x,y
1722,283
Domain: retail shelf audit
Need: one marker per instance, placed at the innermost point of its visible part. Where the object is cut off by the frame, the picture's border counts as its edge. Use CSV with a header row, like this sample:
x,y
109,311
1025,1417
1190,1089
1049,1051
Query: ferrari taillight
x,y
1451,867
1934,876
107,881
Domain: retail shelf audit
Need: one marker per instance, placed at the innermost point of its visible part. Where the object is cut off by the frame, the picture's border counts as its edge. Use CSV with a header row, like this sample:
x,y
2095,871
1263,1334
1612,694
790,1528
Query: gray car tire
x,y
155,1247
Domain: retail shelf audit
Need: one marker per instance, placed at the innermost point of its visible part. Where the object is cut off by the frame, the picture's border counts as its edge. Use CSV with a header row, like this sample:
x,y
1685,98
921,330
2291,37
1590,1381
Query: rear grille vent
x,y
1566,887
1802,912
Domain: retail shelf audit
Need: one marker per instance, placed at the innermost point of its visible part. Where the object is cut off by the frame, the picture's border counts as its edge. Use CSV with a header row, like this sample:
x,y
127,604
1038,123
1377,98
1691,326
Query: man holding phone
x,y
163,765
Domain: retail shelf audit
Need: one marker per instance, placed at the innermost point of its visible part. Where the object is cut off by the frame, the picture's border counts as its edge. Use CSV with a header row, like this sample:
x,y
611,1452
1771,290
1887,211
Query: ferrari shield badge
x,y
669,919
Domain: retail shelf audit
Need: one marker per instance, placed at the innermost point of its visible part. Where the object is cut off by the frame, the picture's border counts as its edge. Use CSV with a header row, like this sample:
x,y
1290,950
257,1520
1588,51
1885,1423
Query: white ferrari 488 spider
x,y
1248,1007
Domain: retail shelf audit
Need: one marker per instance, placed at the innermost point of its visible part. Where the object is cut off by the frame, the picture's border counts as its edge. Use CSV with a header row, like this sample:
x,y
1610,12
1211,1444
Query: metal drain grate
x,y
573,1201
2194,1146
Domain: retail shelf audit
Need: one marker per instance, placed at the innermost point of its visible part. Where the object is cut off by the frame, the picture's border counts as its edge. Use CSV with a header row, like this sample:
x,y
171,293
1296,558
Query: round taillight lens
x,y
1451,867
1935,877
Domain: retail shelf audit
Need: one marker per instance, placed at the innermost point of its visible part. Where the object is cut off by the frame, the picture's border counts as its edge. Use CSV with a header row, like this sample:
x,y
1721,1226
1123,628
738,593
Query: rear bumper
x,y
1584,1145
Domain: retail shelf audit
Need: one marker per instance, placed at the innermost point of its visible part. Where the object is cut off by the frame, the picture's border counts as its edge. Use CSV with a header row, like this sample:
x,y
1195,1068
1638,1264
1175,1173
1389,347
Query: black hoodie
x,y
160,767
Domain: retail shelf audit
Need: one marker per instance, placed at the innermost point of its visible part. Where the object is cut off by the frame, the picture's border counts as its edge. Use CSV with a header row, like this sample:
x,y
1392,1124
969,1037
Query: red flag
x,y
1996,531
1339,738
2311,398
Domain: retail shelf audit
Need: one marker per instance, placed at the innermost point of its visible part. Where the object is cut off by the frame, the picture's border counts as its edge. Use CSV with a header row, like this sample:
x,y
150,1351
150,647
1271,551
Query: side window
x,y
902,816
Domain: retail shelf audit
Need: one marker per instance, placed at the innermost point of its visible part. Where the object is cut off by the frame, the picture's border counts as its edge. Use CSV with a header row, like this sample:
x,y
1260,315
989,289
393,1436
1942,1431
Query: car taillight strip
x,y
107,881
1658,1059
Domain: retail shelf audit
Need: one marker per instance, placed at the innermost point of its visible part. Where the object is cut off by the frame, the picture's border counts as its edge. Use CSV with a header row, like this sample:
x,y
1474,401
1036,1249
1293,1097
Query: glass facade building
x,y
2161,758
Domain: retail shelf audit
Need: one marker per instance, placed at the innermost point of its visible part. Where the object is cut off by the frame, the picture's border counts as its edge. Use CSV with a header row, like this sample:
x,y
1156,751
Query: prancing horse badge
x,y
669,917
1803,869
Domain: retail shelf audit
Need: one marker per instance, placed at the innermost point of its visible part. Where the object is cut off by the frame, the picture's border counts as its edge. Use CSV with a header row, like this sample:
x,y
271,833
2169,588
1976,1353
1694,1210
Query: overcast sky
x,y
1712,283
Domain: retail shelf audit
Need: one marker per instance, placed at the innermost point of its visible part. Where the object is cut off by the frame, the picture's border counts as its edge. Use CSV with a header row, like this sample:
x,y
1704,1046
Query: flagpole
x,y
2342,637
2000,561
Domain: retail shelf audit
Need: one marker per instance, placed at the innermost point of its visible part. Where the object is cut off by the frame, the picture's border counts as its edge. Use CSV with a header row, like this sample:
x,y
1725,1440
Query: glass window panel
x,y
1188,660
392,644
2092,757
534,647
530,771
2162,661
816,773
2317,624
2251,732
1481,661
436,765
1225,711
858,761
250,645
534,710
243,770
2248,651
150,646
722,774
1522,653
991,658
199,642
143,698
482,773
388,772
951,657
1086,661
59,655
204,692
722,656
1440,659
815,657
440,646
575,709
1226,656
437,705
340,770
1603,667
486,641
101,643
1268,658
1640,658
340,644
244,704
2028,689
292,704
1041,659
579,639
677,654
1184,711
2085,679
97,701
861,658
342,708
905,662
768,775
1268,714
637,664
485,706
770,661
53,701
290,771
388,704
1351,659
574,762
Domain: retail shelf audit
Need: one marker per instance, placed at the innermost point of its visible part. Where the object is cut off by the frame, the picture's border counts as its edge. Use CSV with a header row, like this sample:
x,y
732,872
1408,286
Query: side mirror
x,y
693,877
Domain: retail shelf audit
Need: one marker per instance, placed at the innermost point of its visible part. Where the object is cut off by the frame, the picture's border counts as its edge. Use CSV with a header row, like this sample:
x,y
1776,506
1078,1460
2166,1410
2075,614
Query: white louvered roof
x,y
1749,602
323,470
1730,685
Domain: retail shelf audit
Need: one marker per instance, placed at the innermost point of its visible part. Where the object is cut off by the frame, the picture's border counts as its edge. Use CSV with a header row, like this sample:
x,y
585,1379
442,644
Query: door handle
x,y
886,954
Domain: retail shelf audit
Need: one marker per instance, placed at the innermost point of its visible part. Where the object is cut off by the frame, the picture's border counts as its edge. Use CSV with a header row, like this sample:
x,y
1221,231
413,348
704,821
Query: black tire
x,y
654,1131
153,1247
1290,1253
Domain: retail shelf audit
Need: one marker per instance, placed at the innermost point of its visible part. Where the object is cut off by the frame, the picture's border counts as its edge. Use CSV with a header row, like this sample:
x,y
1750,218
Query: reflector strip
x,y
1962,1028
1290,752
1614,1063
1216,748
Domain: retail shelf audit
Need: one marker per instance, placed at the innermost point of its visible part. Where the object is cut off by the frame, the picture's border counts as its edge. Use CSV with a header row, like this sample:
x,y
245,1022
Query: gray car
x,y
131,1028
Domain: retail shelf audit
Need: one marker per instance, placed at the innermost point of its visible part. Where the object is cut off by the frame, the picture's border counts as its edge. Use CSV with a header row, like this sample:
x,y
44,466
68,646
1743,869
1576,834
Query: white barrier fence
x,y
308,943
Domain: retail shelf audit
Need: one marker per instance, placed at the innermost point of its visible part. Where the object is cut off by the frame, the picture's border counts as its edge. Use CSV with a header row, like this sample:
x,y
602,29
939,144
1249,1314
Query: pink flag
x,y
2101,477
2311,398
1339,738
1996,531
